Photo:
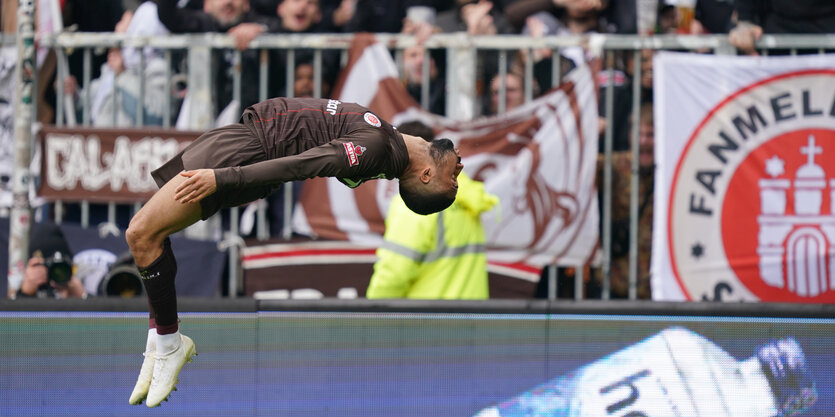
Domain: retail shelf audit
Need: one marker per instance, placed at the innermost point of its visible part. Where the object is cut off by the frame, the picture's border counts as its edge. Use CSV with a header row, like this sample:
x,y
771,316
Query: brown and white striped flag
x,y
539,159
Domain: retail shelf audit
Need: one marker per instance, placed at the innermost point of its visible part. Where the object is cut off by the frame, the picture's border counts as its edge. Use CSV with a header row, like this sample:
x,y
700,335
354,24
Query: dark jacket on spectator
x,y
789,16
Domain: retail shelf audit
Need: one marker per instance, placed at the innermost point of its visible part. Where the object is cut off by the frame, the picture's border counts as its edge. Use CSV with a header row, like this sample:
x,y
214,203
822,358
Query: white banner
x,y
745,180
540,160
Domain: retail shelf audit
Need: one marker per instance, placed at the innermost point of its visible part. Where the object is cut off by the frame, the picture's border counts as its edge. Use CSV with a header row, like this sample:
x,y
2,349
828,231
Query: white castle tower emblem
x,y
796,251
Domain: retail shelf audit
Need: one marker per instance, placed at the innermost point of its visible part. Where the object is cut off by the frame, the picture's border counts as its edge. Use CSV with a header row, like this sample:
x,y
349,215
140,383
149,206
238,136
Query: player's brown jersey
x,y
305,138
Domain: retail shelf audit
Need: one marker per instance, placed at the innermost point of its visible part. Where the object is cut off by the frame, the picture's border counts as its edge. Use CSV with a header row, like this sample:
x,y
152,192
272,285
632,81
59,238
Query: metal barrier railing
x,y
460,50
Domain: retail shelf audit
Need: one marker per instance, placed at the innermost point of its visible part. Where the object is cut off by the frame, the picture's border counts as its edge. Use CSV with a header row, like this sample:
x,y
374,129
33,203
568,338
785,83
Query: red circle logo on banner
x,y
751,213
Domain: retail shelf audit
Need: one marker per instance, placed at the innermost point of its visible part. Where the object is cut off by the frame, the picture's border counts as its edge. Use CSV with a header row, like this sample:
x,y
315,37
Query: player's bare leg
x,y
166,349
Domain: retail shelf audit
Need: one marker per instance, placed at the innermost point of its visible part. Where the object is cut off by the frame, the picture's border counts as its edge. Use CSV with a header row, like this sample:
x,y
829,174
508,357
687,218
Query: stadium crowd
x,y
743,20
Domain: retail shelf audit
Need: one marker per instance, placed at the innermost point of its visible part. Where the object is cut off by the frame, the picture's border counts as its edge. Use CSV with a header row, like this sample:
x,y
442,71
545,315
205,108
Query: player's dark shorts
x,y
228,146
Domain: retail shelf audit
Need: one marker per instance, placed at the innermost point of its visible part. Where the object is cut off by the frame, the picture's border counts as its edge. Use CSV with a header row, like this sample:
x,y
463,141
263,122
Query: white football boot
x,y
140,390
166,369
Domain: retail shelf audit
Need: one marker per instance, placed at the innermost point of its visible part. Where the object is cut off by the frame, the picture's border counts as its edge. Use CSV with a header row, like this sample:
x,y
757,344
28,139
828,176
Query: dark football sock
x,y
158,279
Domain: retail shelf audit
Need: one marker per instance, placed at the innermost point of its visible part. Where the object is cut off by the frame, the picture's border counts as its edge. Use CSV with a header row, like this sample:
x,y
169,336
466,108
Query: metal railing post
x,y
607,179
21,212
262,230
634,179
461,66
501,106
201,106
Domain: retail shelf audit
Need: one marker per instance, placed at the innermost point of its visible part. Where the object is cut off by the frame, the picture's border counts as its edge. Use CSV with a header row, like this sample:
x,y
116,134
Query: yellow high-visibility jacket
x,y
439,256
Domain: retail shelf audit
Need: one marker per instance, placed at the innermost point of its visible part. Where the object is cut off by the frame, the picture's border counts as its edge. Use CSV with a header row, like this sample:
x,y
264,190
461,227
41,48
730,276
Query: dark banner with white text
x,y
104,165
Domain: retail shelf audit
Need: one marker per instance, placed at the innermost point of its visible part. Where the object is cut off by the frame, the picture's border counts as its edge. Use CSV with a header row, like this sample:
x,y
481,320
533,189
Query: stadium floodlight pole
x,y
21,215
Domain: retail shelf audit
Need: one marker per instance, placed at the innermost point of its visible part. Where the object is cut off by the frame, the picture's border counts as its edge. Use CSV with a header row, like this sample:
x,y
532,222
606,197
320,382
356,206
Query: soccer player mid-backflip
x,y
278,140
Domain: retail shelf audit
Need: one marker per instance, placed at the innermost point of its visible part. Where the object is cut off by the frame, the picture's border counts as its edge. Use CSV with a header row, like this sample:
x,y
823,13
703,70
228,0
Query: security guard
x,y
438,256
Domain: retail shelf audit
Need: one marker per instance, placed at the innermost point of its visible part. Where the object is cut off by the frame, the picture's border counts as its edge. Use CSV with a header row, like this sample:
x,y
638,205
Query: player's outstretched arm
x,y
199,185
328,160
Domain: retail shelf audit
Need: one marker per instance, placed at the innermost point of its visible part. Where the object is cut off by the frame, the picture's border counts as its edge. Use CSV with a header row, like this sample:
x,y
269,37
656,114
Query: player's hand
x,y
200,184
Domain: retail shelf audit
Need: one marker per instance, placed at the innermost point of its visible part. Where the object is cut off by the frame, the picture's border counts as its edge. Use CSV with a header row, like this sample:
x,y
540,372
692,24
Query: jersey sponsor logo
x,y
332,106
351,151
752,203
372,119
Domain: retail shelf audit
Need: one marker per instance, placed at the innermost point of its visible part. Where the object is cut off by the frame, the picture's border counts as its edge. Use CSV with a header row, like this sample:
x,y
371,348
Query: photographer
x,y
49,271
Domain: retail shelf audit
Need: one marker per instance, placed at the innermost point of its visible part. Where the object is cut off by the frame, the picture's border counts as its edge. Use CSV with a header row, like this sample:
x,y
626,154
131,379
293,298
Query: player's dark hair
x,y
424,201
427,199
439,148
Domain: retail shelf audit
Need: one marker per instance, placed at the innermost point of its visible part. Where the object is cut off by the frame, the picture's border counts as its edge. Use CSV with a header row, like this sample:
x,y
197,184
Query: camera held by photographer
x,y
49,271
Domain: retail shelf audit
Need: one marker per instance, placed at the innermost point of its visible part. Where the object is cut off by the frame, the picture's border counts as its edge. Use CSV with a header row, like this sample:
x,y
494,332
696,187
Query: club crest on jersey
x,y
331,106
353,152
752,201
372,119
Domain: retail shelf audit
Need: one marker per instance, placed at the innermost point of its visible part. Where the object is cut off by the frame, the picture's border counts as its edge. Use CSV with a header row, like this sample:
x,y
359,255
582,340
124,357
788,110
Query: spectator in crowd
x,y
337,13
300,16
115,94
76,15
540,18
713,16
755,17
89,16
378,16
235,18
621,191
49,272
561,18
622,81
476,17
706,16
304,80
420,22
412,77
622,17
667,19
571,16
437,256
539,25
514,92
